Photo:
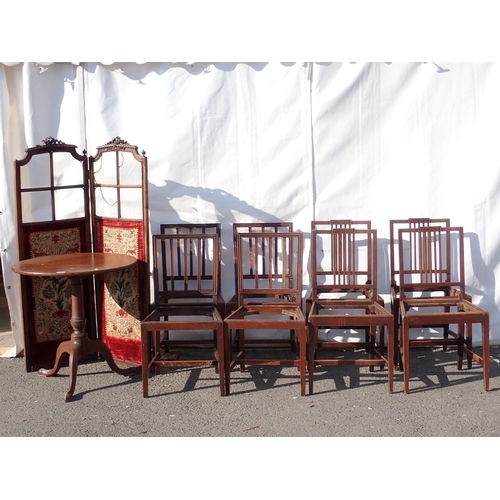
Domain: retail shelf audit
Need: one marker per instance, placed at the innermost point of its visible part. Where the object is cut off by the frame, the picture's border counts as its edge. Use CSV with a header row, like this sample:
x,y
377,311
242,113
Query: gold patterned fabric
x,y
52,296
48,300
120,291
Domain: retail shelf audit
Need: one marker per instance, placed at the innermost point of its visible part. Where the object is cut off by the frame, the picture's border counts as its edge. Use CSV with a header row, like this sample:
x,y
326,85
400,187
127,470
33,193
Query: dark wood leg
x,y
460,348
302,352
405,356
391,341
486,352
74,359
240,334
100,347
63,348
72,347
371,335
227,358
80,345
220,357
469,345
146,352
313,333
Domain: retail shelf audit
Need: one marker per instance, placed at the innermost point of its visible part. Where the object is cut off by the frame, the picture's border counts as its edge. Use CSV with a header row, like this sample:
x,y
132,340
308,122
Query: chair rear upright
x,y
269,268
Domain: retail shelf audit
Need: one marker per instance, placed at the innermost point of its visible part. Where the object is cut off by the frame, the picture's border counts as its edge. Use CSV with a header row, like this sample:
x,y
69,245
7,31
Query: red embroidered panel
x,y
121,293
48,300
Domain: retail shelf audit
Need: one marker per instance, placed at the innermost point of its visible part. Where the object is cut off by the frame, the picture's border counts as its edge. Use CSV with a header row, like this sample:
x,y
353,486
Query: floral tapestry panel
x,y
52,308
55,242
52,296
121,304
121,240
121,290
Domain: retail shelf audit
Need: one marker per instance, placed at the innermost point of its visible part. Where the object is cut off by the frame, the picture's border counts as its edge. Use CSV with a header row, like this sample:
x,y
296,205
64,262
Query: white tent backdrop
x,y
234,142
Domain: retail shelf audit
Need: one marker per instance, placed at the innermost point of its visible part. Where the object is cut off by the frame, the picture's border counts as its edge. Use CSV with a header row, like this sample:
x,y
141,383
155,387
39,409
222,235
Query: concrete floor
x,y
264,402
6,339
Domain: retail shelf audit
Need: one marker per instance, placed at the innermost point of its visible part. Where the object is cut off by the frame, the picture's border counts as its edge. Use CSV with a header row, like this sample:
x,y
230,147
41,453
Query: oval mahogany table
x,y
77,266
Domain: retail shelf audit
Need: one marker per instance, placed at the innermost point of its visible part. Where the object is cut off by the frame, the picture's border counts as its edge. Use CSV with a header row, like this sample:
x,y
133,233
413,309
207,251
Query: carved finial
x,y
50,141
119,144
117,141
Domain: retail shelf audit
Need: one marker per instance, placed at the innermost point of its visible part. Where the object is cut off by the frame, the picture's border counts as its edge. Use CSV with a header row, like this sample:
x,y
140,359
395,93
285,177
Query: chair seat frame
x,y
208,318
256,317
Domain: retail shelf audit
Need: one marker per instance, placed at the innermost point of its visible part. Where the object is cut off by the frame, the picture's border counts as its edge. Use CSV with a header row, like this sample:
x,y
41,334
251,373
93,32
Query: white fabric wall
x,y
236,142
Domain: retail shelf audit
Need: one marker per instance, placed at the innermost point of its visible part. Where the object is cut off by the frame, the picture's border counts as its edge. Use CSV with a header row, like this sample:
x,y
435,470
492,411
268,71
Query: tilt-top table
x,y
77,266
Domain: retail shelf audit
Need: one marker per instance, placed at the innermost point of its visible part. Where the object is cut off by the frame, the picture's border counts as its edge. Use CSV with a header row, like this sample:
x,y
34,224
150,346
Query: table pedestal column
x,y
80,345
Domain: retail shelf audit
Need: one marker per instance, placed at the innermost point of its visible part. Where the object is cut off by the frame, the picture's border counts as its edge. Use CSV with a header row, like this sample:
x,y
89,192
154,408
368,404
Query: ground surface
x,y
348,402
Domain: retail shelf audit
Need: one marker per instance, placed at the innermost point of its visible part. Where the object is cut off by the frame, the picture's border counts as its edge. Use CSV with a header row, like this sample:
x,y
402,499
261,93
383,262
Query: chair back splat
x,y
269,268
412,223
346,311
201,228
432,296
183,267
251,227
269,299
326,225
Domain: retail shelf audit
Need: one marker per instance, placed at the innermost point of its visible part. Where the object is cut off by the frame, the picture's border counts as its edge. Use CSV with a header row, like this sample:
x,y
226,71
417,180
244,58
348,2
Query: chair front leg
x,y
405,354
391,343
221,358
397,321
460,347
146,352
372,338
311,348
485,327
240,334
227,358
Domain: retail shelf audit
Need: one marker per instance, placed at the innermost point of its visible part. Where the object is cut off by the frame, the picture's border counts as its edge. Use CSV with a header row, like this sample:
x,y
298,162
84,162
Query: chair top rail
x,y
180,228
340,223
260,227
